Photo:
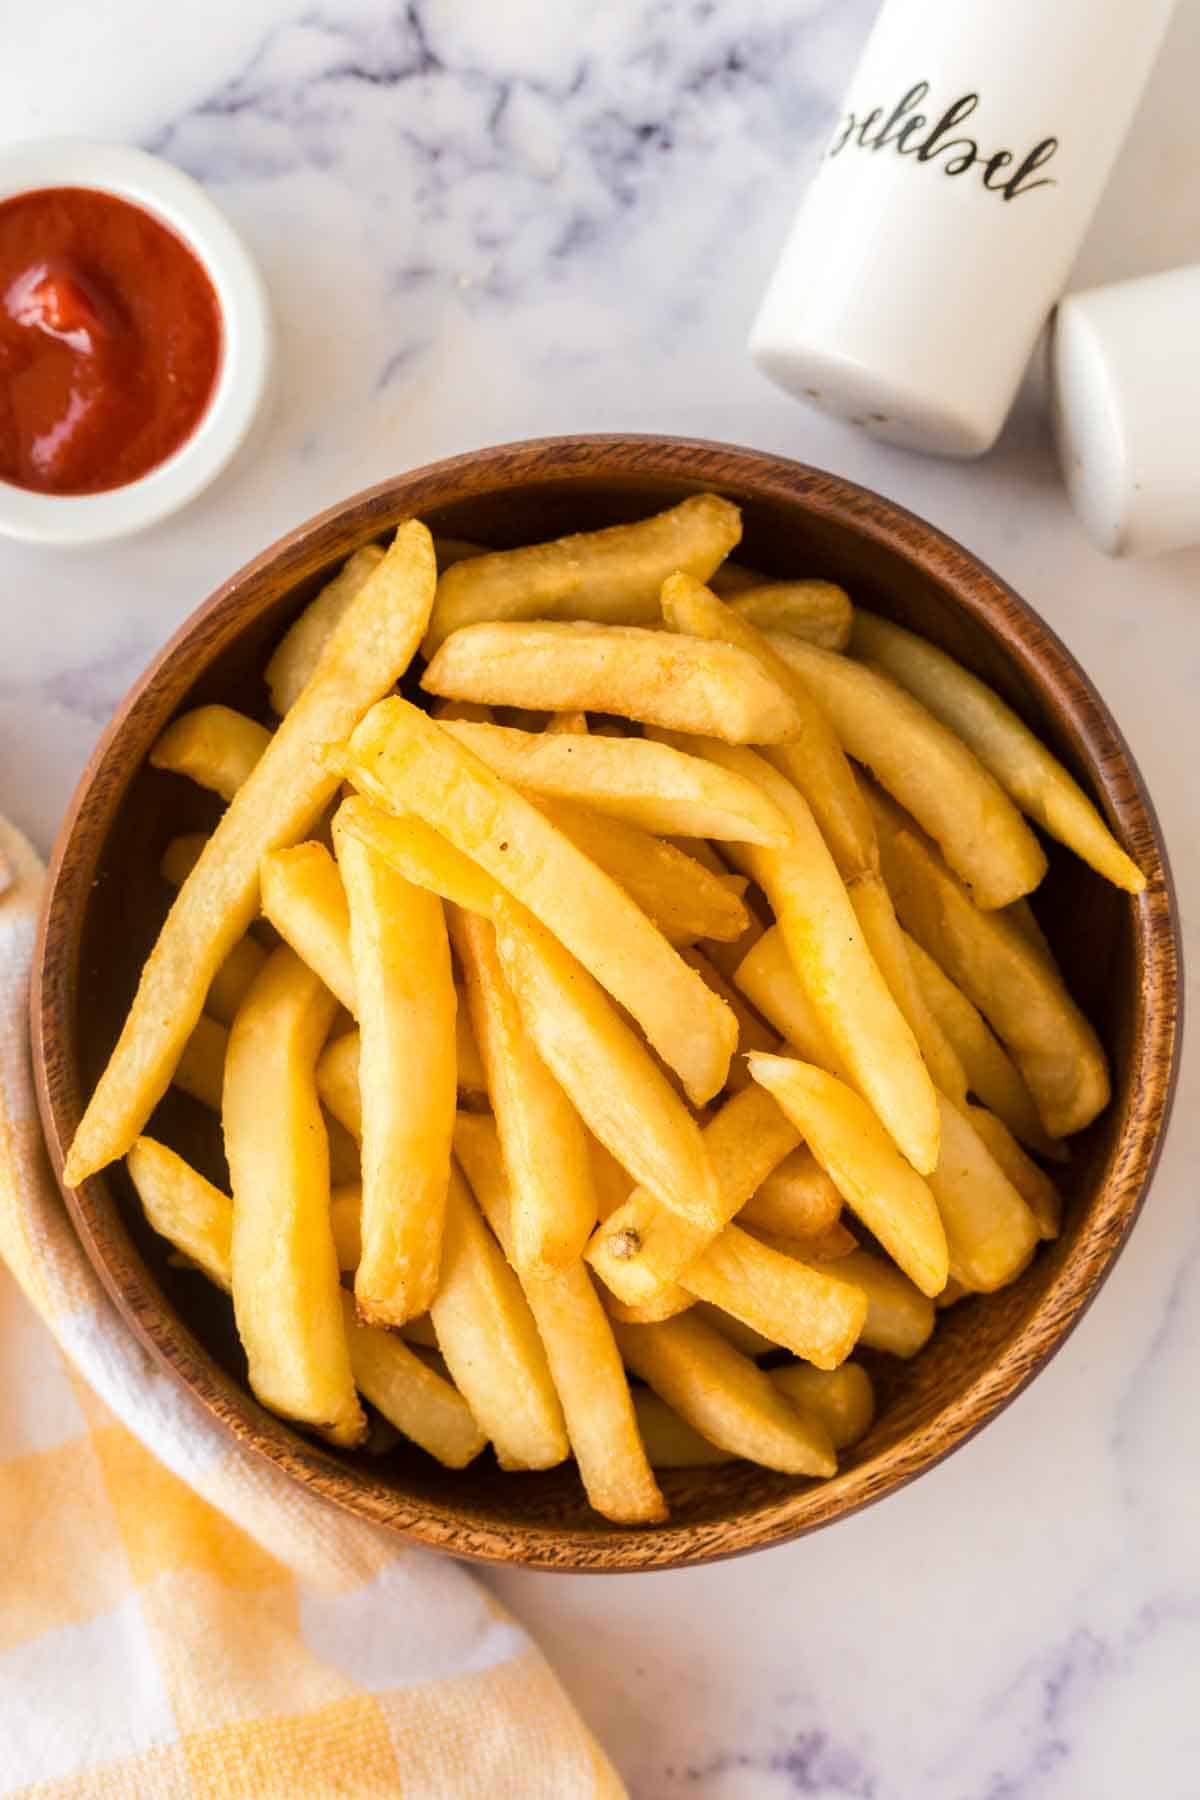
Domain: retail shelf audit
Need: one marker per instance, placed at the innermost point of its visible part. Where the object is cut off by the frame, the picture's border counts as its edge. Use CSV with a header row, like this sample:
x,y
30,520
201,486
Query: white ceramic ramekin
x,y
244,371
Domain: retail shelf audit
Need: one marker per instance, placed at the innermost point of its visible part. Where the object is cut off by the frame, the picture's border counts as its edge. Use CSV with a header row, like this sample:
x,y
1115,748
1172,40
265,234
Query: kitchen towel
x,y
178,1618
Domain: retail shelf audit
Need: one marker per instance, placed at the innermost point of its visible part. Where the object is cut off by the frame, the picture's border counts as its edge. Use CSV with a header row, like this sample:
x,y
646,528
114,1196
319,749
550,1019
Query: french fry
x,y
768,978
848,1141
580,1348
304,897
1022,916
830,1244
682,898
1022,765
345,1163
990,1230
680,683
990,1071
751,1343
728,957
183,1207
670,1442
406,761
345,1218
646,783
818,611
843,1398
200,1070
567,724
278,804
286,1294
453,549
643,1246
797,1199
337,1071
213,746
885,940
406,1076
611,1182
612,575
900,1318
198,1219
181,856
421,854
419,1402
808,1310
542,1140
927,769
951,1294
724,1397
1032,1183
813,760
616,1087
849,995
232,980
488,1337
294,663
753,1034
1053,1045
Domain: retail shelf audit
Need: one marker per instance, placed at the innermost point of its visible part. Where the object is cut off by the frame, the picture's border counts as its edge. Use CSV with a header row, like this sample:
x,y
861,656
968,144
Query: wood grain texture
x,y
1121,955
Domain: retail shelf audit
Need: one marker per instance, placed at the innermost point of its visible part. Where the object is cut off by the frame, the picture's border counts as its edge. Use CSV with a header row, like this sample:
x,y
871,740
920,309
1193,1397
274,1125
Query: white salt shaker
x,y
975,141
1125,386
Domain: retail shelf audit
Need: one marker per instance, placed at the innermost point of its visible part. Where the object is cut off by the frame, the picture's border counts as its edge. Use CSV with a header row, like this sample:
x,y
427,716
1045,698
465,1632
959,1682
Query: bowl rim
x,y
243,373
1043,661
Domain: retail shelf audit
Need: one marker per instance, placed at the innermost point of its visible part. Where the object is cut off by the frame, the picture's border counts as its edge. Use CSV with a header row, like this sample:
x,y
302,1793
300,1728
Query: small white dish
x,y
246,351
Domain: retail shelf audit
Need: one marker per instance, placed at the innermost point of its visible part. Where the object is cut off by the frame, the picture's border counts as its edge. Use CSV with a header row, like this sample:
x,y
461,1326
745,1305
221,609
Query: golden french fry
x,y
753,1034
830,1244
680,683
294,663
727,957
900,1318
724,1396
670,1442
181,856
406,1077
613,575
951,1294
990,1230
419,1402
809,1310
1021,764
682,898
837,971
990,1071
488,1337
198,1219
768,978
213,746
1028,1007
643,1246
278,804
345,1163
1033,1184
541,1136
797,1199
885,940
927,769
582,1353
567,724
345,1217
232,980
646,783
814,759
286,1294
200,1070
843,1399
337,1072
851,1145
818,611
616,1087
421,854
454,549
304,897
742,1337
185,1208
611,1181
403,759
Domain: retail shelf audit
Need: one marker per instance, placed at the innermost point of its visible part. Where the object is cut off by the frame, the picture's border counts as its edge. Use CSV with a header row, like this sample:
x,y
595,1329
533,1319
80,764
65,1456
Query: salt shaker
x,y
970,154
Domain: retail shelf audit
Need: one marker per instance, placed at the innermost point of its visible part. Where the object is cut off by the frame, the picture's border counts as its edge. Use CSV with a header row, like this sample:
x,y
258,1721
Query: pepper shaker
x,y
948,208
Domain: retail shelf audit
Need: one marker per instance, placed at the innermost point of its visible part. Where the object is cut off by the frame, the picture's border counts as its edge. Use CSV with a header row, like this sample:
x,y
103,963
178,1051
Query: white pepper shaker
x,y
1125,389
937,234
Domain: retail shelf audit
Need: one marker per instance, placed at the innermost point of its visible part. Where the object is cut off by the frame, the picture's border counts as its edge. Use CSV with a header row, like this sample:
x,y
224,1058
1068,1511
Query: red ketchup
x,y
110,341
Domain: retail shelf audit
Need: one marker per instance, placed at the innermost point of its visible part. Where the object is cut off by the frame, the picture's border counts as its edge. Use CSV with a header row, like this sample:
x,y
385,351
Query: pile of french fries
x,y
645,1025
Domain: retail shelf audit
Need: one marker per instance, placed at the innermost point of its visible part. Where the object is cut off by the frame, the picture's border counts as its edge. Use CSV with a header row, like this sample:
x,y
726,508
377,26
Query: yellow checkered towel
x,y
177,1618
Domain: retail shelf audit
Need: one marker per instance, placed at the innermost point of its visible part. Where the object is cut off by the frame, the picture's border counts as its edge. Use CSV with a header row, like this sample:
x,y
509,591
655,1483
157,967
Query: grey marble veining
x,y
487,221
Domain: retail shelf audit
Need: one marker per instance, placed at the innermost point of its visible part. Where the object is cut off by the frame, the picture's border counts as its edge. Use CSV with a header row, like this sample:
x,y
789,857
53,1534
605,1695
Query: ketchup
x,y
110,341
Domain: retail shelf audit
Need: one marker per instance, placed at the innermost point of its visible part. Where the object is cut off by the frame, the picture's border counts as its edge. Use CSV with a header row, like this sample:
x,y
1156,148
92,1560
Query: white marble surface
x,y
486,221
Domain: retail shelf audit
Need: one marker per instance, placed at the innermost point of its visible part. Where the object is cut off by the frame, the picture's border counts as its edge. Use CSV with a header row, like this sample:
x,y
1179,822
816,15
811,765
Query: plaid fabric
x,y
181,1620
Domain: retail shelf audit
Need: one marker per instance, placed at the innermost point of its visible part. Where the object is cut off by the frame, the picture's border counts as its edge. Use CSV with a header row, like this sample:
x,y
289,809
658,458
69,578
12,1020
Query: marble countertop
x,y
489,222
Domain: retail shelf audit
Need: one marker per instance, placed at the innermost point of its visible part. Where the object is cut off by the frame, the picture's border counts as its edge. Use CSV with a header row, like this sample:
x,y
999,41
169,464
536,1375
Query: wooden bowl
x,y
105,902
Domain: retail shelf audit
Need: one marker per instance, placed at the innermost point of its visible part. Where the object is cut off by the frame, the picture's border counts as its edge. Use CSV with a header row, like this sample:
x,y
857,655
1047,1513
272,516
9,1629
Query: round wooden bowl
x,y
105,902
